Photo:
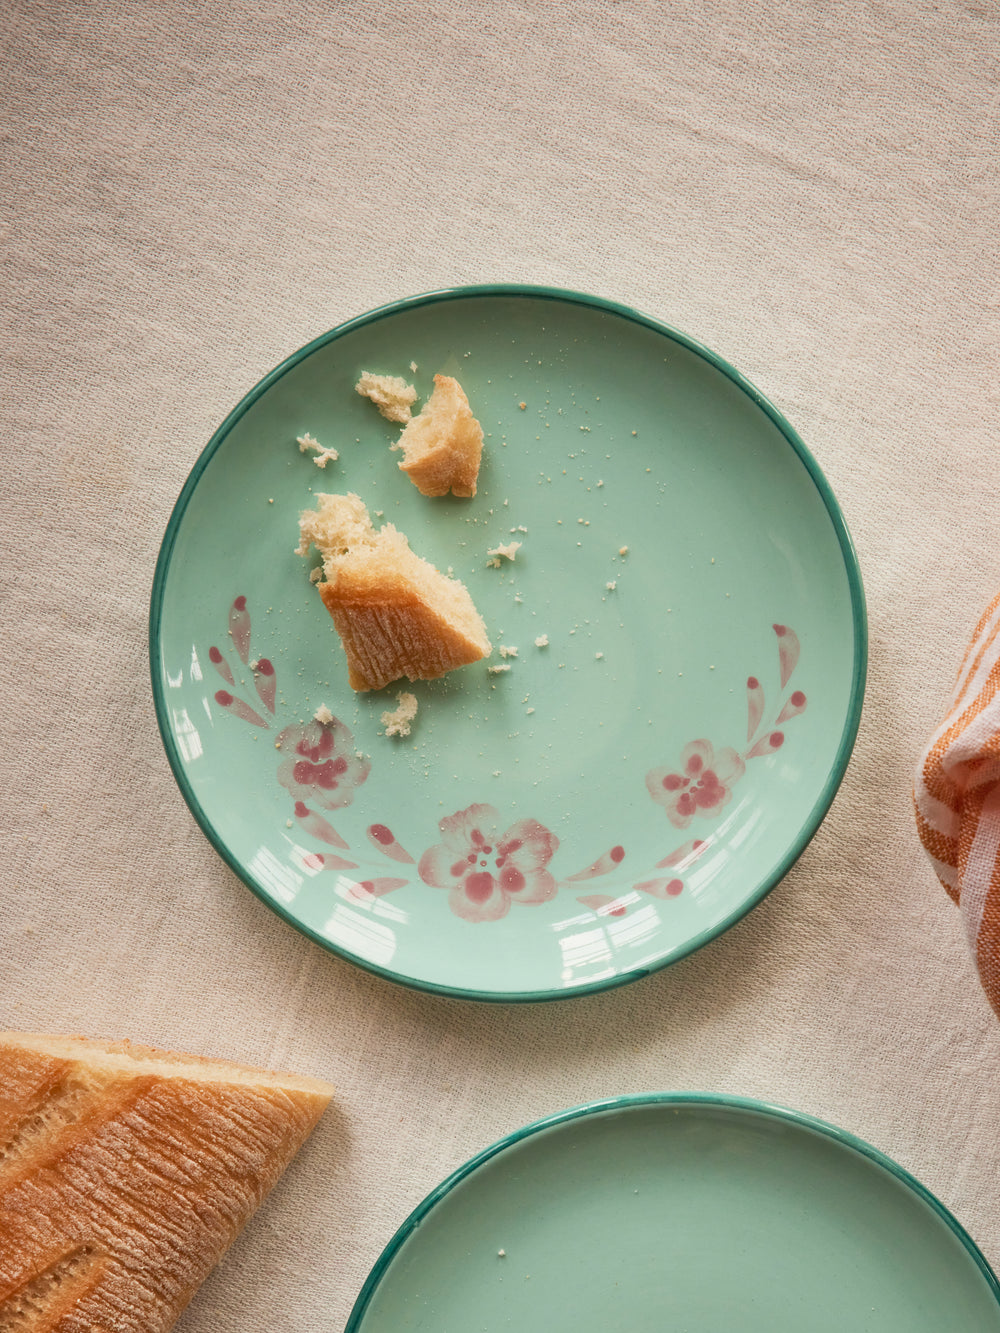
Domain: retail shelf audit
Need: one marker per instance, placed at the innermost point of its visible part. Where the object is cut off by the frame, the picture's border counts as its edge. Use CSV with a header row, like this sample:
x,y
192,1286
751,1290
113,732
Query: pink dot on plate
x,y
214,656
240,604
674,887
223,697
617,854
380,833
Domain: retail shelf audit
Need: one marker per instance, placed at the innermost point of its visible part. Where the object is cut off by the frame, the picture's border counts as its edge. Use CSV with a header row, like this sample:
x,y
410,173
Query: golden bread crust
x,y
125,1174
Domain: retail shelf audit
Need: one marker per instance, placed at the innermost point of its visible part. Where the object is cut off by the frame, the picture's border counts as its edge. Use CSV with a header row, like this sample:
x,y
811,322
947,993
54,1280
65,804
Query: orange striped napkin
x,y
957,798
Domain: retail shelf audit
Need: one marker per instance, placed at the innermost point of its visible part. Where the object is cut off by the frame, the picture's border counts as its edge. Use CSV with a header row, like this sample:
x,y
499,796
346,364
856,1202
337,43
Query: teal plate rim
x,y
784,1114
858,613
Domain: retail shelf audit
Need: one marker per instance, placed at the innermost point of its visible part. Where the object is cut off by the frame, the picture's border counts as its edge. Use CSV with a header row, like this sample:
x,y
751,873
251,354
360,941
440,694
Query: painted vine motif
x,y
485,864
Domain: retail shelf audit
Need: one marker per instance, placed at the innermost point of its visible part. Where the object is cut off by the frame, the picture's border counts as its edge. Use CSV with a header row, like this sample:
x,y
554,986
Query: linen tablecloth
x,y
189,192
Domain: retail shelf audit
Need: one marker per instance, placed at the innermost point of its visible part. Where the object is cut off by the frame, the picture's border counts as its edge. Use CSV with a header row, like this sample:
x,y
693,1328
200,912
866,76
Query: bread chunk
x,y
390,393
125,1174
443,445
395,613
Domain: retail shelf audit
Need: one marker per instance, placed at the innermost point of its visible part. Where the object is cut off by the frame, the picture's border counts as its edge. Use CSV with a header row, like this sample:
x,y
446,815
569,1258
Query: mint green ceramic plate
x,y
680,1213
689,629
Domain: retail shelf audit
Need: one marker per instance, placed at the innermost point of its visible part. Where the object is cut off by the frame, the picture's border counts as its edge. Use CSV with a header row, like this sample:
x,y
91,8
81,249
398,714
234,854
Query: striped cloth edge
x,y
956,796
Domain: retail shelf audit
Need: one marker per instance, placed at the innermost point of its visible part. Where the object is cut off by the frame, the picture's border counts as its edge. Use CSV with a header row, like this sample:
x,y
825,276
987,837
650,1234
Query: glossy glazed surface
x,y
624,791
699,1214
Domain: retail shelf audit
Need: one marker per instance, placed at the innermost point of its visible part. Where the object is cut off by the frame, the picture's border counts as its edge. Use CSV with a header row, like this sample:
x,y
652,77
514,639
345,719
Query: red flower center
x,y
479,887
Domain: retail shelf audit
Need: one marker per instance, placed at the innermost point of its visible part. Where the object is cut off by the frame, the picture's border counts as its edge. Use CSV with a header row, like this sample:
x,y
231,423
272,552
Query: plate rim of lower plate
x,y
859,616
627,1101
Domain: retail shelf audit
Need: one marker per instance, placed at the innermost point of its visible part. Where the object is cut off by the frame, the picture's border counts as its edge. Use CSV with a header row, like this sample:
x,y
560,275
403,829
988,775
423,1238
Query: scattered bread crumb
x,y
542,641
397,721
623,550
316,574
390,393
508,551
323,715
323,455
495,670
522,406
506,651
611,585
413,367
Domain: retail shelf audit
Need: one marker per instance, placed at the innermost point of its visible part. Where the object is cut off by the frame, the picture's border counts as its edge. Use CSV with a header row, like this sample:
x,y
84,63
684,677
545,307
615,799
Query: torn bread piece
x,y
390,393
395,613
443,446
125,1174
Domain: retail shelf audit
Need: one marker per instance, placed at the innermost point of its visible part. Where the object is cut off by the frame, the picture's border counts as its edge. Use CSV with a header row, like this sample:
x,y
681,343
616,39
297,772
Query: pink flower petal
x,y
661,888
768,743
527,844
538,887
788,652
239,627
316,826
490,907
603,904
728,766
794,705
376,888
476,825
266,682
436,866
755,705
602,866
382,837
684,855
240,709
327,861
697,756
221,665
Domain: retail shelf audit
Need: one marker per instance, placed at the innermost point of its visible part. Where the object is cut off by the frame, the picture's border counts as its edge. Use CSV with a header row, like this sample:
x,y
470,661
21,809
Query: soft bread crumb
x,y
323,715
390,393
323,455
315,574
397,721
507,651
395,613
508,552
413,367
443,446
542,641
496,670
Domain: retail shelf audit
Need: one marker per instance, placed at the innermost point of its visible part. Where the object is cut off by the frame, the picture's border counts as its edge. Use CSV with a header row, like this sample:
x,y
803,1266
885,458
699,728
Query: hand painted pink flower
x,y
703,785
321,765
486,870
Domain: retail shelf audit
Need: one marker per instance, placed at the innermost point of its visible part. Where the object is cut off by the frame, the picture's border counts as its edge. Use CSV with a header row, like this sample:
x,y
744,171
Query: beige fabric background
x,y
191,191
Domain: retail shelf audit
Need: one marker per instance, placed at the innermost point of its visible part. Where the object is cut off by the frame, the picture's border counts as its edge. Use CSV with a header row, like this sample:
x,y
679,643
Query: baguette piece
x,y
395,613
125,1174
443,446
